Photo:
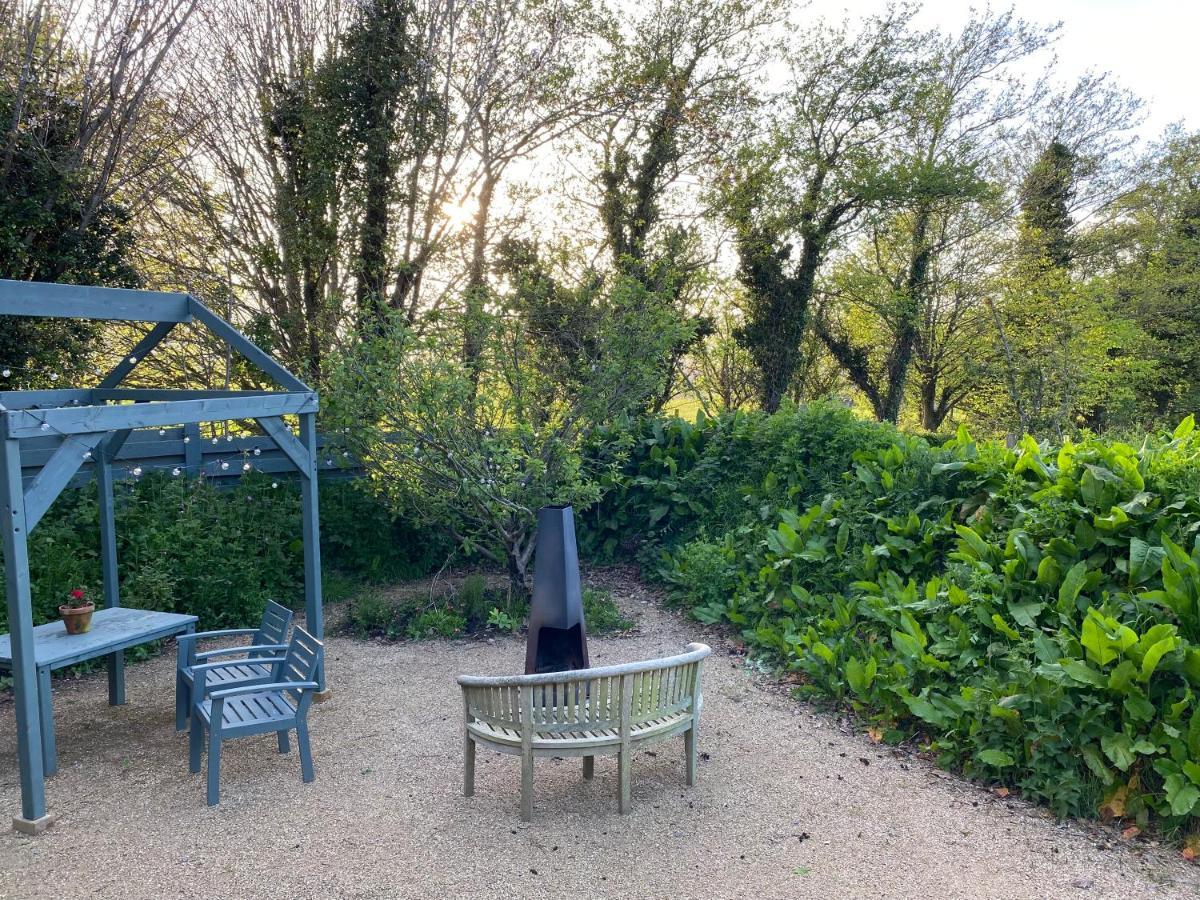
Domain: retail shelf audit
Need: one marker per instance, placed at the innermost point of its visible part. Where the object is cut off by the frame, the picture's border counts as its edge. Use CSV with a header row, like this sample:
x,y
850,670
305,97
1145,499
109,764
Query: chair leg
x,y
689,747
589,767
526,787
195,743
623,776
284,743
468,767
214,766
183,702
306,763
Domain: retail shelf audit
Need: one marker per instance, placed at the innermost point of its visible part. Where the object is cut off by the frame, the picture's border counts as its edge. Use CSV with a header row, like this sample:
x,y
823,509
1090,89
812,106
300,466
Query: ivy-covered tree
x,y
792,191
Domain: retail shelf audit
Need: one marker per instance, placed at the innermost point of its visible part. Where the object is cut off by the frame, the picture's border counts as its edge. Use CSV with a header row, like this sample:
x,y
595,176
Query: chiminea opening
x,y
559,650
557,632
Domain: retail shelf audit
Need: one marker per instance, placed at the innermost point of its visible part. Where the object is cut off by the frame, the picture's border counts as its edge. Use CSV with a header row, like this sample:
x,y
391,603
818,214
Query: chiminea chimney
x,y
557,635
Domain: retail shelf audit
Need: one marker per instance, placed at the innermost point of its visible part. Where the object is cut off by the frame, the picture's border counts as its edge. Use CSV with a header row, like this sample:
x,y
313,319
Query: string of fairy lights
x,y
243,456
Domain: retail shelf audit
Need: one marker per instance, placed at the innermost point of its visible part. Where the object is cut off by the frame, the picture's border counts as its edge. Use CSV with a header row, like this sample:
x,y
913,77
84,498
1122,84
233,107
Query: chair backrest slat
x,y
276,620
303,658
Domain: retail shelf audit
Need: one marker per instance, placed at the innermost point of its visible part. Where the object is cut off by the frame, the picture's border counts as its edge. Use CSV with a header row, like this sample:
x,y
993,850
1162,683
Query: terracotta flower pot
x,y
77,619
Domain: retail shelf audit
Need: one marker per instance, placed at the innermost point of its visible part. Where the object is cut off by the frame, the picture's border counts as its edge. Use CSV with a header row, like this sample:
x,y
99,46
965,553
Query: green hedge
x,y
185,545
1030,615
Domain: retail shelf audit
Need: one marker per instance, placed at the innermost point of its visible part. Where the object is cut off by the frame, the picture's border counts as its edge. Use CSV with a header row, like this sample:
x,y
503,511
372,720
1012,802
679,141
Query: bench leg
x,y
46,713
306,763
689,747
526,787
195,743
589,767
284,743
468,767
623,776
214,766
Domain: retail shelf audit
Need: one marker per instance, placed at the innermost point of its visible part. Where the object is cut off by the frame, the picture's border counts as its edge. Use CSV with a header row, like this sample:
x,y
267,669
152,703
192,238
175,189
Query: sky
x,y
1150,46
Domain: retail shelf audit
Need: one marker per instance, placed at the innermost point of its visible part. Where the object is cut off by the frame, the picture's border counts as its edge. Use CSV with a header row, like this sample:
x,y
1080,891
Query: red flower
x,y
77,593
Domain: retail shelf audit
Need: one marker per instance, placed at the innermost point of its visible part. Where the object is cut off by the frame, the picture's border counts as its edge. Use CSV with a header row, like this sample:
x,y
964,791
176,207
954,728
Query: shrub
x,y
473,609
185,545
601,613
1030,615
684,478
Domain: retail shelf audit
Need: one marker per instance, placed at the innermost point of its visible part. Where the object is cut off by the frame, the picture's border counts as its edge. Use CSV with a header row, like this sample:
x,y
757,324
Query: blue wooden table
x,y
113,631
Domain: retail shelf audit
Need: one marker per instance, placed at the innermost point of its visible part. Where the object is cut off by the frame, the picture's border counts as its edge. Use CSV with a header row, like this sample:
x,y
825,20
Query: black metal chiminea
x,y
557,635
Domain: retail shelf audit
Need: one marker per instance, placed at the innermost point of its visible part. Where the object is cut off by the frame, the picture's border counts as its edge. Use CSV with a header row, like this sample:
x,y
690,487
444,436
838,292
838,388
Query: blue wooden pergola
x,y
92,425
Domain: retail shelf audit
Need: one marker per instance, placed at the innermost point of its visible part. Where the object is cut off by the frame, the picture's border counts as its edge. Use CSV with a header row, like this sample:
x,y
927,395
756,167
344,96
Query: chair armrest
x,y
247,648
273,686
206,635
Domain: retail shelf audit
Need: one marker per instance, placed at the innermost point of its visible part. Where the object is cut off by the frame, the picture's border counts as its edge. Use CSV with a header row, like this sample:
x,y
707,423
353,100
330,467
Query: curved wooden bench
x,y
588,713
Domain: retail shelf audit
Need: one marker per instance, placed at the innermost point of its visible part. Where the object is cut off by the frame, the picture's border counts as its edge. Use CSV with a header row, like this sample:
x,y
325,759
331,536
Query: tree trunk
x,y
900,357
476,291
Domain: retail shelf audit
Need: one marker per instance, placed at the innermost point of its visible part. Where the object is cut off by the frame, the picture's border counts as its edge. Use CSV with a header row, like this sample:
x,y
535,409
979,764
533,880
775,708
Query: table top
x,y
112,629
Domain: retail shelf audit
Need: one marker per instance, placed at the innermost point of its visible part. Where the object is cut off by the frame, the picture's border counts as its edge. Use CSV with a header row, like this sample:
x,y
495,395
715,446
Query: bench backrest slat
x,y
615,698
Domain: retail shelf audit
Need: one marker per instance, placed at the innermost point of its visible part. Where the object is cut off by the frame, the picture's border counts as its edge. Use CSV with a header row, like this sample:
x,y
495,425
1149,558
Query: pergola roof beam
x,y
242,345
22,423
75,301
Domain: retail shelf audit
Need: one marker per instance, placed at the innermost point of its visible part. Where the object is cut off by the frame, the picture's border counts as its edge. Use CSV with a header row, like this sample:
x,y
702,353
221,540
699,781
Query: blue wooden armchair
x,y
280,705
265,640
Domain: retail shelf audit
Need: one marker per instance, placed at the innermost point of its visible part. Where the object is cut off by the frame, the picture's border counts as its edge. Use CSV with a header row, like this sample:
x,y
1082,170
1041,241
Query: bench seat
x,y
594,742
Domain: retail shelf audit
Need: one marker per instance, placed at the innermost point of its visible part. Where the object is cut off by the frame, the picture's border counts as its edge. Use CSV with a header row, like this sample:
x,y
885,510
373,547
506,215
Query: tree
x,y
963,93
374,93
680,79
793,192
481,478
1156,273
1066,356
76,151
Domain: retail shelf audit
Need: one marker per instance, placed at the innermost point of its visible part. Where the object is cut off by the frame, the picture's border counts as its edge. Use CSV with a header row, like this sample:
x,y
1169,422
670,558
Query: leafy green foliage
x,y
473,609
1030,615
184,545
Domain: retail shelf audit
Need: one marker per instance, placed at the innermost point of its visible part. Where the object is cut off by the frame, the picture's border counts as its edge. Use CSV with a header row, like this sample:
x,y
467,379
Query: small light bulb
x,y
228,438
54,376
161,432
224,466
87,454
329,462
175,471
246,467
6,373
137,471
133,360
216,440
346,453
45,426
257,451
186,439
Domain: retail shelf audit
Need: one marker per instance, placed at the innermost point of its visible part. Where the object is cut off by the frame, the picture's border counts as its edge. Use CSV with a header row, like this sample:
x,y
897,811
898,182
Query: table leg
x,y
49,750
116,678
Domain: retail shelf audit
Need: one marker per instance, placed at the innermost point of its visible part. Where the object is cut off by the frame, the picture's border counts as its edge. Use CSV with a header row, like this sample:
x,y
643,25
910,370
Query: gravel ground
x,y
788,804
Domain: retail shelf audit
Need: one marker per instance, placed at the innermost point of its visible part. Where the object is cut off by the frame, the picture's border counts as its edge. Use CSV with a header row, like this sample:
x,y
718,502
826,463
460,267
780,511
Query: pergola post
x,y
34,818
108,563
310,515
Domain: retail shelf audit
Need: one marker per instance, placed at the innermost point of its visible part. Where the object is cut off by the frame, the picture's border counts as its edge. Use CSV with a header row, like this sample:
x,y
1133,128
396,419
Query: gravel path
x,y
788,803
